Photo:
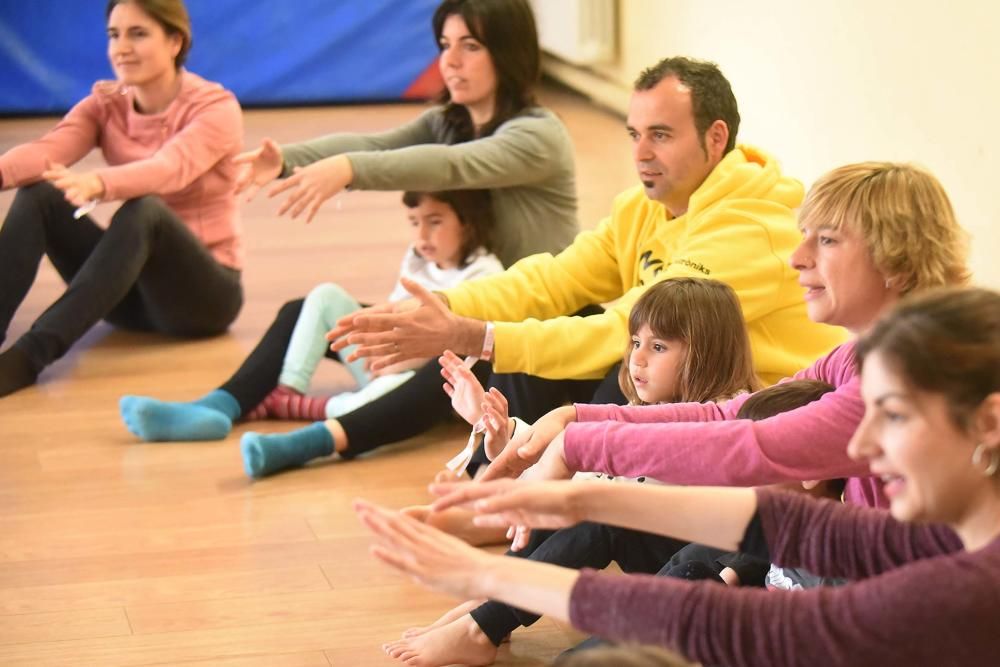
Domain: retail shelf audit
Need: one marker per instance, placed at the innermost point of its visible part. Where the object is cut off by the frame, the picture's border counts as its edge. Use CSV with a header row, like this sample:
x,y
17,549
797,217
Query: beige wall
x,y
823,84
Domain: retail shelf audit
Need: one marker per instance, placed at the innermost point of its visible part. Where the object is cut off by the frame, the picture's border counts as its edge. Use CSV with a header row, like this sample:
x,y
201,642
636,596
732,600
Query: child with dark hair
x,y
451,237
451,244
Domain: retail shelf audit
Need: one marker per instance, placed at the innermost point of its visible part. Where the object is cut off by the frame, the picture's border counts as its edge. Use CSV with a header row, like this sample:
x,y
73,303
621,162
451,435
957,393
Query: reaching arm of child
x,y
462,386
496,422
474,404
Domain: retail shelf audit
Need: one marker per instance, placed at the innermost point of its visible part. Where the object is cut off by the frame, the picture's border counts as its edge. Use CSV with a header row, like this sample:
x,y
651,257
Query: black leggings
x,y
587,544
146,272
420,401
420,398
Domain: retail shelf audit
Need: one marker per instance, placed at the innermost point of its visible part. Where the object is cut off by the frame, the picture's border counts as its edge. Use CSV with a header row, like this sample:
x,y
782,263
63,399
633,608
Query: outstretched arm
x,y
716,517
445,563
392,335
718,624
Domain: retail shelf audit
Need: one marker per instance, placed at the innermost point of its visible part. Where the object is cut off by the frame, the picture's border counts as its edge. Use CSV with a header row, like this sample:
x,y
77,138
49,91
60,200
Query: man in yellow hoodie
x,y
705,207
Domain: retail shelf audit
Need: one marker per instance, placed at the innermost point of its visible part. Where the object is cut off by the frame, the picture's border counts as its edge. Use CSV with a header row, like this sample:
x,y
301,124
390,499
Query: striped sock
x,y
285,403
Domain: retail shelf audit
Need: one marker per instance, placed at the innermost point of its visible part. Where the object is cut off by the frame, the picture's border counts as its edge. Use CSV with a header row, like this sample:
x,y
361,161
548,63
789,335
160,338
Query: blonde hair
x,y
706,315
902,213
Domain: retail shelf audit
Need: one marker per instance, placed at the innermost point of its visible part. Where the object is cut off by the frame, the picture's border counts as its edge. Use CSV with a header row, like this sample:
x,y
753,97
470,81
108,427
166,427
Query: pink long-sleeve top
x,y
916,597
181,154
704,443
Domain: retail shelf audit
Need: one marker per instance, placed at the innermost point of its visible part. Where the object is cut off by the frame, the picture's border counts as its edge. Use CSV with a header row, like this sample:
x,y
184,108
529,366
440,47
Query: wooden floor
x,y
116,552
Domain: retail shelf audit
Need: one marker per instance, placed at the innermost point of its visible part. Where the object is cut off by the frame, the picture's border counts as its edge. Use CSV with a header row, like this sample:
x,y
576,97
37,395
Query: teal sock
x,y
265,455
208,418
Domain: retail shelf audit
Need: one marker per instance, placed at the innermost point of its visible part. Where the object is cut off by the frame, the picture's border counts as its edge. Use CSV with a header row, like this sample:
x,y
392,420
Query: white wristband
x,y
487,352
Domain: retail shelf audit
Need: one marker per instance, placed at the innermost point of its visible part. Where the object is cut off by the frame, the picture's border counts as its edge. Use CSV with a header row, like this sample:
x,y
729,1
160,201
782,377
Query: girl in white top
x,y
450,245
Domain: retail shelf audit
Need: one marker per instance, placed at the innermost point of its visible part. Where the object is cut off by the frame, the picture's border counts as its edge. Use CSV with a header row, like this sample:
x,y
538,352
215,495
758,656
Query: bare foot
x,y
459,642
449,616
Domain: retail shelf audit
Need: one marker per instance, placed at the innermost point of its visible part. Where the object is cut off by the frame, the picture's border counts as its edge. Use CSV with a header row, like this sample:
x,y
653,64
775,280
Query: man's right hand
x,y
391,336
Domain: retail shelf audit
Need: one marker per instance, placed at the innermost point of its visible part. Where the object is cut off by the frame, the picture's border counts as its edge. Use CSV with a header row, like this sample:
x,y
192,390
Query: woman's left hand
x,y
312,185
77,188
435,559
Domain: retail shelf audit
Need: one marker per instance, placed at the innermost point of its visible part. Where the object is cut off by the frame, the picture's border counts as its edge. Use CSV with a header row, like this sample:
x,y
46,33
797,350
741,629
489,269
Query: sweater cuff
x,y
587,604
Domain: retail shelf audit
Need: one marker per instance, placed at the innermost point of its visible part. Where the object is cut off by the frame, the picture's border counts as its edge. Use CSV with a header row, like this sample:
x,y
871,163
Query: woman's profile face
x,y
842,285
467,68
139,48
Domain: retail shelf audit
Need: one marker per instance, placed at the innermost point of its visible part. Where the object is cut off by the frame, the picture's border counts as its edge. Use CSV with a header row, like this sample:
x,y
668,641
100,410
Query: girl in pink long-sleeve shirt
x,y
170,260
931,432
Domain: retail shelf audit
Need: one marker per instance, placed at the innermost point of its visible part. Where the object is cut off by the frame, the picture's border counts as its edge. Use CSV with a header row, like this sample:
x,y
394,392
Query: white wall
x,y
826,83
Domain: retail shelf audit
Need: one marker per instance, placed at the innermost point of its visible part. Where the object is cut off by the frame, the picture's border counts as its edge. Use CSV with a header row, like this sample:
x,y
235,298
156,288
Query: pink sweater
x,y
182,154
704,443
918,599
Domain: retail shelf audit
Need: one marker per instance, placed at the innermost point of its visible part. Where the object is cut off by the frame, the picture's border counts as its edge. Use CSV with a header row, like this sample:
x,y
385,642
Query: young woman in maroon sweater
x,y
931,431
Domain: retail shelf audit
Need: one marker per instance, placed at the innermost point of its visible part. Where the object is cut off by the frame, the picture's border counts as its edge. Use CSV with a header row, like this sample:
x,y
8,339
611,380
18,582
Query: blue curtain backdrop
x,y
267,52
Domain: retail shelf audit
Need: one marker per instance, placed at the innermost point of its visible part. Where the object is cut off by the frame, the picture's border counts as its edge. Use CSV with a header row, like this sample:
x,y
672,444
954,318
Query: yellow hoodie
x,y
739,228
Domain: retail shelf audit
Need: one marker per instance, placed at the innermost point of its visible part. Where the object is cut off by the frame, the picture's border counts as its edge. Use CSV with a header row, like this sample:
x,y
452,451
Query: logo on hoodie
x,y
657,265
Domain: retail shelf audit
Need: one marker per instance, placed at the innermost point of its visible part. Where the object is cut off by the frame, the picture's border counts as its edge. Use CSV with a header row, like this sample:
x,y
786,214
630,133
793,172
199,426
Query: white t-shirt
x,y
428,275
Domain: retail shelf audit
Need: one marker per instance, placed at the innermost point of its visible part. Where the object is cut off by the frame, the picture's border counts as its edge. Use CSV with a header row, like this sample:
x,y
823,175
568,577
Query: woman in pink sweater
x,y
872,232
170,259
931,432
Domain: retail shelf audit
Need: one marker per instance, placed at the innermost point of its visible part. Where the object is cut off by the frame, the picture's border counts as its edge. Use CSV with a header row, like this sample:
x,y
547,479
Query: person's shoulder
x,y
634,202
837,367
198,90
481,262
108,89
107,97
537,119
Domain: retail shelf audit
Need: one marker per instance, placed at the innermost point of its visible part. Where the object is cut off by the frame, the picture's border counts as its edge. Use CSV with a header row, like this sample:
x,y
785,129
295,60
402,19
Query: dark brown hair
x,y
507,29
474,209
945,341
782,397
172,16
785,397
706,315
712,97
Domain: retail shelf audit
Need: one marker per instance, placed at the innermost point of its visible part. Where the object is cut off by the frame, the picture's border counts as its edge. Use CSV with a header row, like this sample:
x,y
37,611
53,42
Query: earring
x,y
994,464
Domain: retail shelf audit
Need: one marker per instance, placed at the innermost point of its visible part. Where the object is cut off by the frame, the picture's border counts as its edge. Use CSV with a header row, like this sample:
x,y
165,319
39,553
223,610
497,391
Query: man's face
x,y
668,154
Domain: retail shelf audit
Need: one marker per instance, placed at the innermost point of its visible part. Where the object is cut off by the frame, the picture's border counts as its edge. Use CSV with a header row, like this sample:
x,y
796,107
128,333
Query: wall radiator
x,y
581,32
